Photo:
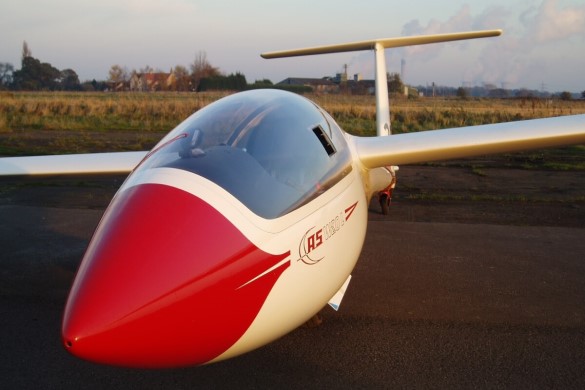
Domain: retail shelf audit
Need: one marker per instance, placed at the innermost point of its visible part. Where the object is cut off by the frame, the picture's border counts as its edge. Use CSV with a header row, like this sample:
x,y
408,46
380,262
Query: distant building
x,y
150,82
318,85
342,83
357,86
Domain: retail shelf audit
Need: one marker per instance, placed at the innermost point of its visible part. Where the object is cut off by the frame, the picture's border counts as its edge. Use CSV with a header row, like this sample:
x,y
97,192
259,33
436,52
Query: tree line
x,y
201,77
35,75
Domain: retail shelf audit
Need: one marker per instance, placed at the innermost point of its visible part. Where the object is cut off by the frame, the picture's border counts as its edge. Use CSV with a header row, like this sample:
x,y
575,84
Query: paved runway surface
x,y
430,305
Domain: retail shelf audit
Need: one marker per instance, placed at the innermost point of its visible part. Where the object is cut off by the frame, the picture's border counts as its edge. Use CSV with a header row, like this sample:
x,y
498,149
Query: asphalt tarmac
x,y
430,305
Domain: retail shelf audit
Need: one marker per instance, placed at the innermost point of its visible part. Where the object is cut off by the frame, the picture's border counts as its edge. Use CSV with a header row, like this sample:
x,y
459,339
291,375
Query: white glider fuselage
x,y
278,264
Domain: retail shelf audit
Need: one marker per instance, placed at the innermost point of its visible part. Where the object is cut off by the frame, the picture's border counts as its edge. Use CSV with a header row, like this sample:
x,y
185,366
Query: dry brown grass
x,y
357,114
156,112
78,122
98,111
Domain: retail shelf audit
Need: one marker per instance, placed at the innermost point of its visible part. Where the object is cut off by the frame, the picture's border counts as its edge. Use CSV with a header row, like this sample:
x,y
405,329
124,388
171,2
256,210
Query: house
x,y
323,85
143,82
361,87
337,84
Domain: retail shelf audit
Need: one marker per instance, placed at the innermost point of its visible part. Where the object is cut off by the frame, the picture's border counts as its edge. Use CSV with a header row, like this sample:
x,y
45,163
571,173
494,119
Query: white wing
x,y
119,162
470,141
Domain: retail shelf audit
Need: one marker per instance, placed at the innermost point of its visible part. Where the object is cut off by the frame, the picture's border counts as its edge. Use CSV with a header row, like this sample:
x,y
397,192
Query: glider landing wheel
x,y
385,204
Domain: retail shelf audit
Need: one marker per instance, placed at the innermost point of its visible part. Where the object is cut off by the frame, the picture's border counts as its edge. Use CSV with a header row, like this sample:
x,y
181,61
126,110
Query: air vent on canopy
x,y
325,140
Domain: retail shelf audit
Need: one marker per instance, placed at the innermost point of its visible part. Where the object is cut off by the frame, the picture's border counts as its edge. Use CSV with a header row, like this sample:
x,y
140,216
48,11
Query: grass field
x,y
50,123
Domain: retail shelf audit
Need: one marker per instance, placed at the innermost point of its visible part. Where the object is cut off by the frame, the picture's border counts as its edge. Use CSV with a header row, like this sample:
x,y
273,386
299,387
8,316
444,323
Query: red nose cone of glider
x,y
166,281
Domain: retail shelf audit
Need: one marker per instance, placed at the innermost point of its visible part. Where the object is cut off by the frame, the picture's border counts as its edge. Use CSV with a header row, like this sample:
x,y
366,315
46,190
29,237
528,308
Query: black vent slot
x,y
324,139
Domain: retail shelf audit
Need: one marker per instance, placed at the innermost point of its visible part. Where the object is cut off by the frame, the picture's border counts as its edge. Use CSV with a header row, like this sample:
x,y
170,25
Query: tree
x,y
28,76
267,82
498,93
146,69
202,69
583,95
69,81
94,85
35,75
6,72
260,84
182,78
117,76
49,76
395,83
462,93
566,95
25,52
233,82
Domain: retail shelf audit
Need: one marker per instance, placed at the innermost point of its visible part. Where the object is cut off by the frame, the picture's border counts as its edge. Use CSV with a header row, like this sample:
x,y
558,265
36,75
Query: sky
x,y
542,48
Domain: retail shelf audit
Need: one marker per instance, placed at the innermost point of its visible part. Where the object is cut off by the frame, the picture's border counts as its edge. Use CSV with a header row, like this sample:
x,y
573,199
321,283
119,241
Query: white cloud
x,y
492,17
461,21
536,38
552,23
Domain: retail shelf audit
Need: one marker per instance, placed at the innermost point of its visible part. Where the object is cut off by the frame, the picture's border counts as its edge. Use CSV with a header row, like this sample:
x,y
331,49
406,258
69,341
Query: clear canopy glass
x,y
272,150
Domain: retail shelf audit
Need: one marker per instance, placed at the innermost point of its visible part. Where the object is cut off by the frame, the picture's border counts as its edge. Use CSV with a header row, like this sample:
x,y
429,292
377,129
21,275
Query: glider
x,y
246,219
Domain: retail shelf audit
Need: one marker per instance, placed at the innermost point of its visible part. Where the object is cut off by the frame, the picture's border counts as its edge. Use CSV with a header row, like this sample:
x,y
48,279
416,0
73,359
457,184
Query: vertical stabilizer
x,y
378,45
382,100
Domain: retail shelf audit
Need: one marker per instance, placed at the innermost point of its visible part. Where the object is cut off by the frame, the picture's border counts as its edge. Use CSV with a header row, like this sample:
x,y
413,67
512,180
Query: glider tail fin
x,y
378,45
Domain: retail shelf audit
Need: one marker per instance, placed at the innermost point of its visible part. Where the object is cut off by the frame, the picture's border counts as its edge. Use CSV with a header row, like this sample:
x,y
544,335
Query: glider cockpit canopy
x,y
274,151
